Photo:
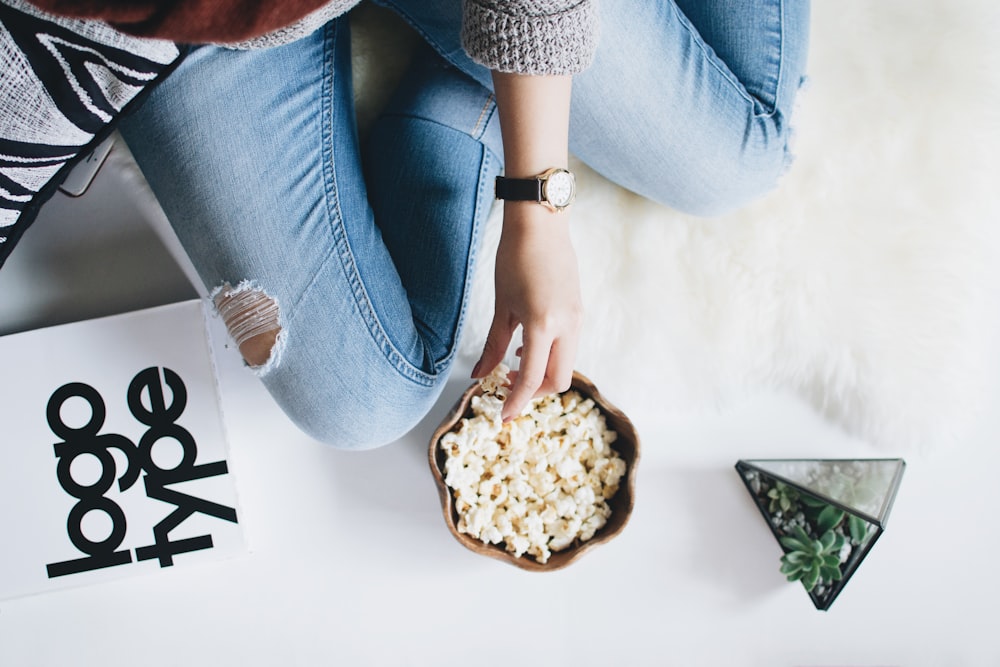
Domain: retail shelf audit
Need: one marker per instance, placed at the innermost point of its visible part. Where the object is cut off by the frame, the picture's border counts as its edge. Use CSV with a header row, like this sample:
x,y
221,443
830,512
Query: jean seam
x,y
726,73
781,60
339,233
424,119
470,264
477,131
485,115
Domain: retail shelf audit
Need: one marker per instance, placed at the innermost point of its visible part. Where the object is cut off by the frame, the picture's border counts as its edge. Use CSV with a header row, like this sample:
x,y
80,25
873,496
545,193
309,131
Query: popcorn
x,y
537,484
494,387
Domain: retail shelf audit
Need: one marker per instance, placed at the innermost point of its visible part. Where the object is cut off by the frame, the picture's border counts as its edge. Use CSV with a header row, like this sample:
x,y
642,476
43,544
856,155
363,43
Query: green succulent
x,y
858,528
812,561
827,517
783,497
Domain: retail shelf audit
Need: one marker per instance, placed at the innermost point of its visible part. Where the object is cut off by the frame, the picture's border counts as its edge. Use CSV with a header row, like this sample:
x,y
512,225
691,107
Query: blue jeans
x,y
361,258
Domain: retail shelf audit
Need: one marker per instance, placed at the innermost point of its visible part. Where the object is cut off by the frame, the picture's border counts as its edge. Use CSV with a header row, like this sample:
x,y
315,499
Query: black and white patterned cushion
x,y
64,83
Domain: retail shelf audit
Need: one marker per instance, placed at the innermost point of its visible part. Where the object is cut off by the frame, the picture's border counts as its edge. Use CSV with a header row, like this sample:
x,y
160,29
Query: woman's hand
x,y
538,288
537,280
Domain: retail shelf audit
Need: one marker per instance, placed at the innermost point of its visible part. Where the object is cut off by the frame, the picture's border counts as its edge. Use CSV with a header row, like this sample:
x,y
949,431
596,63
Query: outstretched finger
x,y
530,374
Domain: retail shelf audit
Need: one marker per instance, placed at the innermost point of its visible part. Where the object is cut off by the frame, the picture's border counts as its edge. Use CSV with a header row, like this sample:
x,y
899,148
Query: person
x,y
341,270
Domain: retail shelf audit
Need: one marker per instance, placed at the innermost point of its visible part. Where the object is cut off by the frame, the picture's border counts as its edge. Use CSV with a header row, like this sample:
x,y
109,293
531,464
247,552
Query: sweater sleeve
x,y
531,36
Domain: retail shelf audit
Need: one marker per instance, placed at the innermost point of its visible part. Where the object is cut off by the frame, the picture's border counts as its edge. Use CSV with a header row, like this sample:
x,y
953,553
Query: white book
x,y
115,460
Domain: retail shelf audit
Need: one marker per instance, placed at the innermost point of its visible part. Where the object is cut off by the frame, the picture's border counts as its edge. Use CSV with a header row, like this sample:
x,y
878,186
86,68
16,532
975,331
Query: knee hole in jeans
x,y
253,319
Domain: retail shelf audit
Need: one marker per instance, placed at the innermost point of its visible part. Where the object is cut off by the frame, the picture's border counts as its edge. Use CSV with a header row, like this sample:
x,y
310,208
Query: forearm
x,y
537,284
534,121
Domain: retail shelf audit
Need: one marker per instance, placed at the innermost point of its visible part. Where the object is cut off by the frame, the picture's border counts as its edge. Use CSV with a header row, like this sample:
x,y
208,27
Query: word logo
x,y
160,418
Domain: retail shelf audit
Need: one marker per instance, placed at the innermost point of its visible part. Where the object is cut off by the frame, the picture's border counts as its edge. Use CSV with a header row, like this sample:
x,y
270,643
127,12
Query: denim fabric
x,y
369,251
688,102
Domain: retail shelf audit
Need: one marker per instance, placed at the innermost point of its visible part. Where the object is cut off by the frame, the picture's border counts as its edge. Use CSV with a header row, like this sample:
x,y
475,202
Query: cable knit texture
x,y
531,36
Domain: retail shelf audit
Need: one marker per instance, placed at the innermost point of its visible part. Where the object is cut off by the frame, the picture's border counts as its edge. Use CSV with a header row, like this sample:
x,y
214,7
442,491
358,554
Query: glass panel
x,y
866,486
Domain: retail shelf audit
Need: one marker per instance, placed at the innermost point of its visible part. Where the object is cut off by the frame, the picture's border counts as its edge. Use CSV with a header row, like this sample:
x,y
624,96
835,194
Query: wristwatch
x,y
554,189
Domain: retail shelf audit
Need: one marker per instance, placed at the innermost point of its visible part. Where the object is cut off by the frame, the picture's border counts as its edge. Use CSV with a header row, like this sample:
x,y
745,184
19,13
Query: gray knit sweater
x,y
519,36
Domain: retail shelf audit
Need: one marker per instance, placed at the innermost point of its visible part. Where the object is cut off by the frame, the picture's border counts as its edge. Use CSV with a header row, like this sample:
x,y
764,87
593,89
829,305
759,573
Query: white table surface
x,y
351,564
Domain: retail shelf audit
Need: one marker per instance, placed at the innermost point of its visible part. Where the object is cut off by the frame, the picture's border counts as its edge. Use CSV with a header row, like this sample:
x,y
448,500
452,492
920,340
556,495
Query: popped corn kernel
x,y
495,383
517,545
491,535
538,484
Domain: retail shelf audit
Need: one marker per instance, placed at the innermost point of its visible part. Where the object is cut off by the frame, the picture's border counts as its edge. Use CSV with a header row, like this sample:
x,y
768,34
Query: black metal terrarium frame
x,y
818,564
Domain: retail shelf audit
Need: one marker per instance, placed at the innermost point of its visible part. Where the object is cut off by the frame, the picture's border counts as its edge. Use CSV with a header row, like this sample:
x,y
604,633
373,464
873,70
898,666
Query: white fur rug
x,y
865,284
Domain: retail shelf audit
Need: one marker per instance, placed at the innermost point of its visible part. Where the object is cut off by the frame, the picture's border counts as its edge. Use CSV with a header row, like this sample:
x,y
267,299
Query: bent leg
x,y
692,110
254,157
438,136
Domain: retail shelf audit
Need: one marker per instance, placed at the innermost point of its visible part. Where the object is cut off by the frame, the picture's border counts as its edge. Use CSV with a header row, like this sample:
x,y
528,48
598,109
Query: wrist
x,y
529,219
554,188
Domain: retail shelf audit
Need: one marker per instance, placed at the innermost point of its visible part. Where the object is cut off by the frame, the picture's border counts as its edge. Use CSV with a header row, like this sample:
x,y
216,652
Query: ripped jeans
x,y
351,264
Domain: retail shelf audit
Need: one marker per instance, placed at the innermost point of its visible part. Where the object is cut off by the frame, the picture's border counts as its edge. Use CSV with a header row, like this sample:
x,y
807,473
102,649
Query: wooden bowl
x,y
627,446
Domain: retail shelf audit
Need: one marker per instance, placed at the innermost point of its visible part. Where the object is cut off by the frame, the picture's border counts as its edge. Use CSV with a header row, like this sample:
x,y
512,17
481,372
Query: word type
x,y
161,420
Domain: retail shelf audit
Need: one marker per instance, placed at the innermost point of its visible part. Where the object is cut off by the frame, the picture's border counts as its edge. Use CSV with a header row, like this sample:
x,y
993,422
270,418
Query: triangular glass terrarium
x,y
825,513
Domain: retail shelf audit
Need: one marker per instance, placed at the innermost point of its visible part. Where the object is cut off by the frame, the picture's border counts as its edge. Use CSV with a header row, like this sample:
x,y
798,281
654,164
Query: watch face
x,y
560,188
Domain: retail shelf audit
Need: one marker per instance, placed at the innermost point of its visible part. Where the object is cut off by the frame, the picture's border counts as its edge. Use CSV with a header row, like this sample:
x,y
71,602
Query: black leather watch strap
x,y
519,189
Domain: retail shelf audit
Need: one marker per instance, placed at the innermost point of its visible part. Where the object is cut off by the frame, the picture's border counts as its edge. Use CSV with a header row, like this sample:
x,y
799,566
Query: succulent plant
x,y
858,529
828,519
811,560
783,498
